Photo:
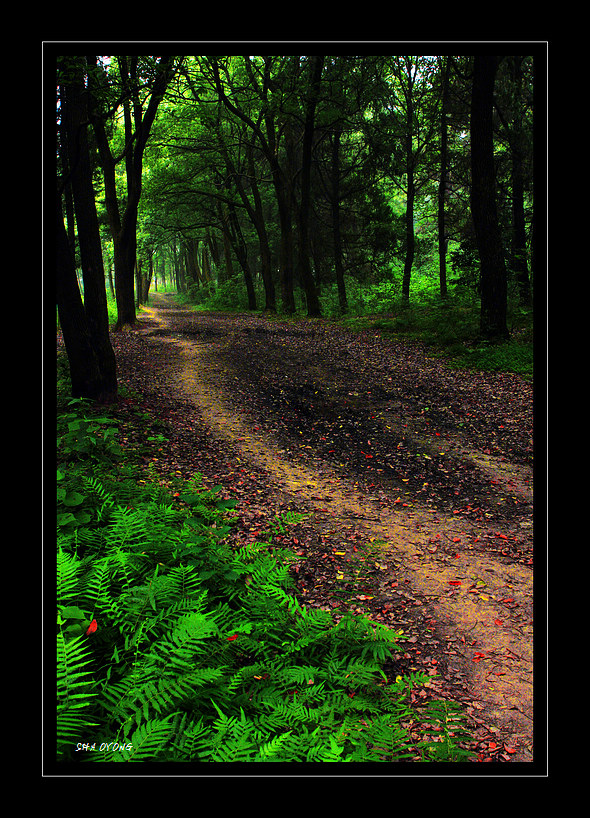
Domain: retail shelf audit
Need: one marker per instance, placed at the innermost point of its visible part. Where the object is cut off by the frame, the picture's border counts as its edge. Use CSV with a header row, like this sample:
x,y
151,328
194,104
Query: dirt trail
x,y
462,583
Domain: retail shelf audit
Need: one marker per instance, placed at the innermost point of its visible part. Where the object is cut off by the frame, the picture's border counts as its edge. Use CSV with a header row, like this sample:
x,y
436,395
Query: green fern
x,y
202,652
126,529
74,689
68,576
144,744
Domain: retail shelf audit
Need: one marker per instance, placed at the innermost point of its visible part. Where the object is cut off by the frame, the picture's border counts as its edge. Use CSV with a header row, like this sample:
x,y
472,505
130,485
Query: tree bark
x,y
493,286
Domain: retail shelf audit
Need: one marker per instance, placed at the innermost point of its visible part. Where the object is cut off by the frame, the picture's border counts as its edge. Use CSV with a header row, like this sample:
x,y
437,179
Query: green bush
x,y
174,646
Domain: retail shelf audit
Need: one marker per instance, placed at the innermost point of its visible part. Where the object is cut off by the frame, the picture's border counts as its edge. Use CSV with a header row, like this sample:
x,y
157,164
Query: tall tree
x,y
313,303
443,178
95,301
335,207
412,94
85,374
493,286
269,81
76,158
517,143
138,123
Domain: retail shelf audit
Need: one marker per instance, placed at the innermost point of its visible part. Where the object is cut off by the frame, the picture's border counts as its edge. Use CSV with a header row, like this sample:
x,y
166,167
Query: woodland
x,y
294,407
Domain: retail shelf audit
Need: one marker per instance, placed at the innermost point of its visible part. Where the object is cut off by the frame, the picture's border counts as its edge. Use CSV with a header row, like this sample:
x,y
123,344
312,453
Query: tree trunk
x,y
241,252
335,204
125,255
518,250
313,303
410,238
124,230
85,374
257,216
226,271
286,248
483,203
410,197
442,183
75,119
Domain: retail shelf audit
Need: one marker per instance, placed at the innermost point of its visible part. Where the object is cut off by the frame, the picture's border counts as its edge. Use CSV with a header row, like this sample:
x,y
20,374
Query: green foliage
x,y
510,356
201,652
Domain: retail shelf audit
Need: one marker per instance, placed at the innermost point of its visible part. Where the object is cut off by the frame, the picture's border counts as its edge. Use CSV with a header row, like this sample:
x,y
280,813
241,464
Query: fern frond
x,y
233,739
388,740
146,742
327,750
98,581
74,688
126,529
70,728
104,497
165,694
72,681
274,748
164,620
68,576
186,640
189,739
181,582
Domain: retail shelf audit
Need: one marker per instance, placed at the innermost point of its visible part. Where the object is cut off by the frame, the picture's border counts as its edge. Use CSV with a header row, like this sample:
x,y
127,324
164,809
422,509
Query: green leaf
x,y
73,498
73,612
65,519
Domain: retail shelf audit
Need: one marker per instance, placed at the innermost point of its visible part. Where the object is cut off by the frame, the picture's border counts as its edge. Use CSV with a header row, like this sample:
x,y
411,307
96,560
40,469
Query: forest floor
x,y
415,481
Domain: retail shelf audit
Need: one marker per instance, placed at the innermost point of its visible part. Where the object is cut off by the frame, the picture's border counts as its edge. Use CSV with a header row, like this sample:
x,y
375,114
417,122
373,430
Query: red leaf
x,y
454,582
498,622
92,627
231,638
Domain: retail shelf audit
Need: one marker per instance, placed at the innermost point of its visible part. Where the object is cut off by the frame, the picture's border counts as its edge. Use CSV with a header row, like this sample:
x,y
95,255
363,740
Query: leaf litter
x,y
413,484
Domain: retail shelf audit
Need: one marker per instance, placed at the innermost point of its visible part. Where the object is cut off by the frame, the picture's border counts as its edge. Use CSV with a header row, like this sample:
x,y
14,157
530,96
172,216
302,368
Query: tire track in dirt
x,y
480,602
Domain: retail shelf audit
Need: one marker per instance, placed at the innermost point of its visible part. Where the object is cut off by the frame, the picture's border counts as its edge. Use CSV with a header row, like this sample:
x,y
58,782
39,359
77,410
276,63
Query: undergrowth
x,y
172,646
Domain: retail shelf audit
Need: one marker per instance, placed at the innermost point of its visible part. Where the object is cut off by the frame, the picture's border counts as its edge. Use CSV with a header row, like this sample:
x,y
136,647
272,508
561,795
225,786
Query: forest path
x,y
415,480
